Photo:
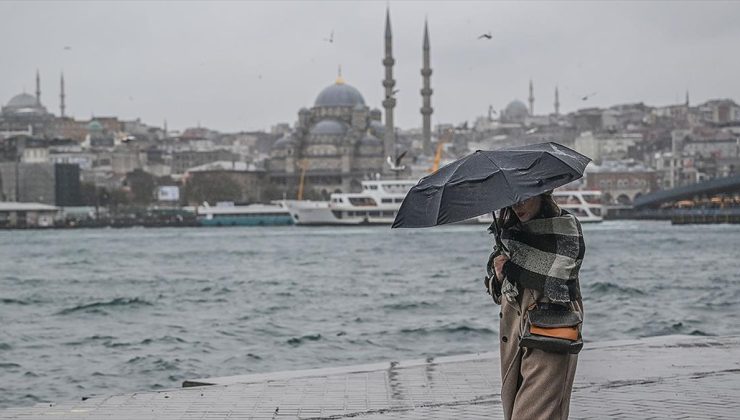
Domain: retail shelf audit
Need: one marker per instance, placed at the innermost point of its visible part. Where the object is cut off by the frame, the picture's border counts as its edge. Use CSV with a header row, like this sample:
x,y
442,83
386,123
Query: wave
x,y
402,306
297,341
98,306
605,287
448,329
22,302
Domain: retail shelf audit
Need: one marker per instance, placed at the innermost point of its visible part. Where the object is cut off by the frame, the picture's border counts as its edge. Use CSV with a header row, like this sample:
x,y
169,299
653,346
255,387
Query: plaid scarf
x,y
545,254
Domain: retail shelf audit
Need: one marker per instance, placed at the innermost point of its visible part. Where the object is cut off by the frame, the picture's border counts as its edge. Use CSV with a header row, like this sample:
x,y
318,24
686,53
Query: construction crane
x,y
440,148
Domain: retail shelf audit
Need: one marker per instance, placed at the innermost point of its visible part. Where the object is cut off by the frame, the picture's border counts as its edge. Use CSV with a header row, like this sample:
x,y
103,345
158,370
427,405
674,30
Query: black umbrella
x,y
486,181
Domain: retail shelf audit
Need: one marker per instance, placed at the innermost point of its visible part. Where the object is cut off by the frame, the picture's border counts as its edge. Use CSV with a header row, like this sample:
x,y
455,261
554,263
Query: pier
x,y
659,377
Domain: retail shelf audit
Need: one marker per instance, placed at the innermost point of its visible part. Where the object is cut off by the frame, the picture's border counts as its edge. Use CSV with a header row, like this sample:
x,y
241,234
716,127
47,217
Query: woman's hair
x,y
548,208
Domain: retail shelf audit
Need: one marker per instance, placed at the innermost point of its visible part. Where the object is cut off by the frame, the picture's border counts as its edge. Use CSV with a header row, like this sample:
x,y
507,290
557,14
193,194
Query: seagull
x,y
532,130
396,165
486,36
67,47
395,92
331,38
585,98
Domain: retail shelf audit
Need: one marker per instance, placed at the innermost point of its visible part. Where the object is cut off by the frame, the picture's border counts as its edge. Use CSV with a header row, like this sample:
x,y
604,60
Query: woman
x,y
542,253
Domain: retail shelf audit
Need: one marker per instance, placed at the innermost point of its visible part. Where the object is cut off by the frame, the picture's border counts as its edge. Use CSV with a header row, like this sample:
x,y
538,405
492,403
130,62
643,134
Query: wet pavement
x,y
660,377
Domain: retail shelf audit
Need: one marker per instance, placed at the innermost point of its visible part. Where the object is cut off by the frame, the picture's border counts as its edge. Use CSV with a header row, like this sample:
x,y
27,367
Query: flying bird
x,y
395,91
331,38
67,48
585,98
395,165
532,130
486,35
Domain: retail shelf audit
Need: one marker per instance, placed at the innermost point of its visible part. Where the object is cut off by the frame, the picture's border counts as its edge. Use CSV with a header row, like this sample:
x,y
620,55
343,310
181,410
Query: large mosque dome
x,y
516,111
339,94
24,104
24,100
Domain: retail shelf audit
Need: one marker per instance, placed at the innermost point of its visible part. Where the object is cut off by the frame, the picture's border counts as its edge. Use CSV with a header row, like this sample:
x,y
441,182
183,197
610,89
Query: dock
x,y
663,377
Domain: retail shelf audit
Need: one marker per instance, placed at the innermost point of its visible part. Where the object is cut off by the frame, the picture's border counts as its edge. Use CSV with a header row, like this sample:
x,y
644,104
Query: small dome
x,y
370,140
284,142
24,100
516,110
329,128
95,126
339,94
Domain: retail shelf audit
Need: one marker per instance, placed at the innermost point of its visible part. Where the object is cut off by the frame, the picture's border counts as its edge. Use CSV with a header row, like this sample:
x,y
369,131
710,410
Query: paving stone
x,y
660,377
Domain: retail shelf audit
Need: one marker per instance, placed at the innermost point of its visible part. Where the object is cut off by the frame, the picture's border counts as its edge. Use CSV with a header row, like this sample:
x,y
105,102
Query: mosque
x,y
25,112
340,141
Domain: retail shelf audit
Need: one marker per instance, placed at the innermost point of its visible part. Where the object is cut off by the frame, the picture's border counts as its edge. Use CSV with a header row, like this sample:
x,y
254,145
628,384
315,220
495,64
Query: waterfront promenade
x,y
660,377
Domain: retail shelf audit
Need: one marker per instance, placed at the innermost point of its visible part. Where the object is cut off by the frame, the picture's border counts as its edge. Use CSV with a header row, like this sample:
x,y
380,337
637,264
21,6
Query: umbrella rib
x,y
503,173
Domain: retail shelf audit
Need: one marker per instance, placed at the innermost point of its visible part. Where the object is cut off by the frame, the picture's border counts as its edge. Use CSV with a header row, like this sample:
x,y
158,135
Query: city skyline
x,y
151,66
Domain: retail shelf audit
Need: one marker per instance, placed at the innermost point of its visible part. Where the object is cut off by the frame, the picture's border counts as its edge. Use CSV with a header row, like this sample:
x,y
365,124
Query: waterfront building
x,y
621,181
20,215
47,183
598,146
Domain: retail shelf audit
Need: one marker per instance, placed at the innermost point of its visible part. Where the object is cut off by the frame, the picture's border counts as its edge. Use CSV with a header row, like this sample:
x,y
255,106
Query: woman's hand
x,y
498,266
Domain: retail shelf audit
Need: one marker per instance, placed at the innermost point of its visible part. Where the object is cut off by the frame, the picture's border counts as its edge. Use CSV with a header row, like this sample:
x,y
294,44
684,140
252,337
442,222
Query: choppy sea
x,y
100,311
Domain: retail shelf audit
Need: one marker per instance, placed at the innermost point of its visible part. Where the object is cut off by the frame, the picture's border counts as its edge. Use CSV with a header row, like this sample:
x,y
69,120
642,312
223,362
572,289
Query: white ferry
x,y
378,203
229,214
585,205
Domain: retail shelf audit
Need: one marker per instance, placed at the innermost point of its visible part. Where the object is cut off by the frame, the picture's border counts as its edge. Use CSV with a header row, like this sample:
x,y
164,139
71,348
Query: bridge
x,y
729,185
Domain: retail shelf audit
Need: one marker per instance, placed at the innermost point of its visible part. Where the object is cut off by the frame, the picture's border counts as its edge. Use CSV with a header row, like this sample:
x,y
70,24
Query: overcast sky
x,y
248,65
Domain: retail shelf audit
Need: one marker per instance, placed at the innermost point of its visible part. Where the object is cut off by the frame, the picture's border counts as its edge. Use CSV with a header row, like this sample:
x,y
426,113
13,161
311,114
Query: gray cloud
x,y
235,66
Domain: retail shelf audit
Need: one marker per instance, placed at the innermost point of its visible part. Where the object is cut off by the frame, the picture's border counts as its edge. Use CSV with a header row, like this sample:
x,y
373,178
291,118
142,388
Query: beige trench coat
x,y
535,384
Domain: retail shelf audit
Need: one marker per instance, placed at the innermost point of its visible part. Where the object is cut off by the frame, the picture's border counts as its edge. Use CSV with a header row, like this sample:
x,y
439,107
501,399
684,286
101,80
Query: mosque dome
x,y
24,100
284,142
329,127
370,140
95,126
339,94
516,110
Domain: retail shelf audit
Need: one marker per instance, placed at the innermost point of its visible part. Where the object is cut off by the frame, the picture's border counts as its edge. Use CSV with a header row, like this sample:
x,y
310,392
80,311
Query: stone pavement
x,y
670,377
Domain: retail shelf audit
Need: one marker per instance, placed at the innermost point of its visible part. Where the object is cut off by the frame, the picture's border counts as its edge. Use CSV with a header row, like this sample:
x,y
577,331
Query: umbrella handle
x,y
497,234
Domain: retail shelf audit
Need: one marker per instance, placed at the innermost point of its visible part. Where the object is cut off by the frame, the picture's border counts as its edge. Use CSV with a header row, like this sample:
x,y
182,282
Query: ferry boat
x,y
229,214
584,204
378,203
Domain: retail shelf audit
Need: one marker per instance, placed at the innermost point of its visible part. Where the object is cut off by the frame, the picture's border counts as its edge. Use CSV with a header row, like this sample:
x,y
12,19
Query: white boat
x,y
378,203
229,214
585,205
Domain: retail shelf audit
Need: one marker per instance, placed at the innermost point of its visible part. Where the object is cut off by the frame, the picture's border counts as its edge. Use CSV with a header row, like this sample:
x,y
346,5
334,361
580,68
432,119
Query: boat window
x,y
388,214
398,200
596,211
373,214
362,201
337,214
387,200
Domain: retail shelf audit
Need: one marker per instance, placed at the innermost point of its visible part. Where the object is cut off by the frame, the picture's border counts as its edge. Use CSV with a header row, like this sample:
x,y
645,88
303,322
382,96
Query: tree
x,y
212,187
142,186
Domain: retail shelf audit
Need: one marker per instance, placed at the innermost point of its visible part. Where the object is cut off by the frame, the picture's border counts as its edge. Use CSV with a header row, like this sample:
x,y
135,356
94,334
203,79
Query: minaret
x,y
389,142
687,98
61,97
531,98
426,94
557,101
38,87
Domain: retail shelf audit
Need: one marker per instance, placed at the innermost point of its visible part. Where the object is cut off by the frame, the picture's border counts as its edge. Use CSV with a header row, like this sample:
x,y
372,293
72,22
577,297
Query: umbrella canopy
x,y
486,181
